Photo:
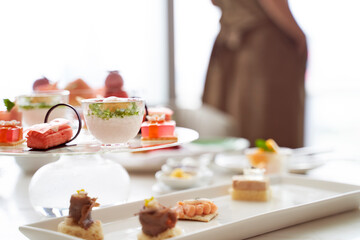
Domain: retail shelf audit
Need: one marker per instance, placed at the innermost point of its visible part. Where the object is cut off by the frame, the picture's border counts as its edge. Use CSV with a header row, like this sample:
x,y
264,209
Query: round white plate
x,y
237,162
86,144
153,160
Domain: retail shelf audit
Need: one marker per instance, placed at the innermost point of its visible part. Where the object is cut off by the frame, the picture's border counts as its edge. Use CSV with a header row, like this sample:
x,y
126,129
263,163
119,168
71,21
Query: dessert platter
x,y
75,156
110,118
241,209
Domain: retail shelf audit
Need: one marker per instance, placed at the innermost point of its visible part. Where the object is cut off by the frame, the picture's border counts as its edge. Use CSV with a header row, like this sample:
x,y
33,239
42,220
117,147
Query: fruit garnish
x,y
115,106
272,145
80,191
96,109
40,82
156,118
179,173
114,80
267,145
147,201
8,104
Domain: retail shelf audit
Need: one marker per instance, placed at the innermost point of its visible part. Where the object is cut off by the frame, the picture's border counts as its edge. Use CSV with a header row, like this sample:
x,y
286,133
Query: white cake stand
x,y
81,166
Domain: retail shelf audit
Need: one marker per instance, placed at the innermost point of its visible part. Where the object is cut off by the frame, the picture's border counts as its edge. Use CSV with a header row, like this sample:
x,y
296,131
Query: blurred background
x,y
162,49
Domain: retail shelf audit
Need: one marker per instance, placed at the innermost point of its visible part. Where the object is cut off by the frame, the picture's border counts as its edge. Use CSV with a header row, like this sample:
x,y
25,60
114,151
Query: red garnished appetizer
x,y
201,209
157,221
157,130
11,133
79,222
11,112
47,135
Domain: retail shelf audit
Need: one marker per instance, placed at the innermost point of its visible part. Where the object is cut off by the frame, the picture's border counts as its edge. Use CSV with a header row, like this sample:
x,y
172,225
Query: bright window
x,y
65,40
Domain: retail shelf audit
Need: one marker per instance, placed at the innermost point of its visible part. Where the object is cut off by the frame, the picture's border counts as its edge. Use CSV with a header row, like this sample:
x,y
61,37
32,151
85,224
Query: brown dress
x,y
256,75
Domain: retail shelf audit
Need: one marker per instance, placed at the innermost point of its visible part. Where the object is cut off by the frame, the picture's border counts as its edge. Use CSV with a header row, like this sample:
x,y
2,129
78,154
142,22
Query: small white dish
x,y
177,183
233,162
199,178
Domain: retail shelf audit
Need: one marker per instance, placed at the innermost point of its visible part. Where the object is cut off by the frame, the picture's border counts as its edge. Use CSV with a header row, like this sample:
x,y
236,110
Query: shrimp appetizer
x,y
201,209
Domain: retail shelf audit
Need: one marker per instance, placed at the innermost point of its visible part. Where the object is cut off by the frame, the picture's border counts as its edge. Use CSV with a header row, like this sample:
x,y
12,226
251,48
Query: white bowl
x,y
177,183
113,120
275,163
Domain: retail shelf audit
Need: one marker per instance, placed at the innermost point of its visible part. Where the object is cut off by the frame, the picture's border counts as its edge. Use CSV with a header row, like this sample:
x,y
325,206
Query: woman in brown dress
x,y
256,70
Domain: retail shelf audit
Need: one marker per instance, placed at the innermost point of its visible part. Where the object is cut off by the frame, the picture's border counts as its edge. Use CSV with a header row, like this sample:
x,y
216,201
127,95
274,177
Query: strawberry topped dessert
x,y
158,130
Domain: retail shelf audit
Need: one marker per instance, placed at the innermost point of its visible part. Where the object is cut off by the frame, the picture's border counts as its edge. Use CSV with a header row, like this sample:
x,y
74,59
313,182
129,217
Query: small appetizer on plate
x,y
47,135
157,221
11,133
201,209
11,112
269,156
178,178
34,106
79,222
252,186
157,130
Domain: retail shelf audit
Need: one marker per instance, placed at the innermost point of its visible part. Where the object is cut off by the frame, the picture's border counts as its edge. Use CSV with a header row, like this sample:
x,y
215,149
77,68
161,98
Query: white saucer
x,y
237,162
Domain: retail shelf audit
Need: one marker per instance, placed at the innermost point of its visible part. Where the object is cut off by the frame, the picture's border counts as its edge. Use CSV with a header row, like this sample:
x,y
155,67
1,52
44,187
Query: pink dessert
x,y
11,133
157,129
161,110
114,85
47,135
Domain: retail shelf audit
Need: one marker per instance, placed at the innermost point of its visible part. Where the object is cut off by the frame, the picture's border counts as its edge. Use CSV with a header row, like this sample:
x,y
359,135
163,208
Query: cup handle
x,y
77,115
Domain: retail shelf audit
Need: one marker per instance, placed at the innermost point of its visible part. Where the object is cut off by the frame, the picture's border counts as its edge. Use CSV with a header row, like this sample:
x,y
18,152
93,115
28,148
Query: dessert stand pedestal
x,y
83,165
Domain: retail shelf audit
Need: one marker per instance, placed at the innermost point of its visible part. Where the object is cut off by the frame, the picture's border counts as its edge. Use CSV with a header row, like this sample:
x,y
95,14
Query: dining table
x,y
16,209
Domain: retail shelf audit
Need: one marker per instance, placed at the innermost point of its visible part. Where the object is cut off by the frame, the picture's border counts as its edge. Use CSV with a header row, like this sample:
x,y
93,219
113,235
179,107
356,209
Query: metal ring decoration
x,y
77,115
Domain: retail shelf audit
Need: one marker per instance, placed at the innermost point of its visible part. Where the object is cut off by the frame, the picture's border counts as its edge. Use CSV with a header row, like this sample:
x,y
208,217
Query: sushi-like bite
x,y
79,222
201,209
157,221
252,186
47,135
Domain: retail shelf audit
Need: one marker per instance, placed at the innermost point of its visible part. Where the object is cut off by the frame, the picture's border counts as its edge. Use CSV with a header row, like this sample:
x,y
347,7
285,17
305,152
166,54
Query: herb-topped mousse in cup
x,y
113,120
34,106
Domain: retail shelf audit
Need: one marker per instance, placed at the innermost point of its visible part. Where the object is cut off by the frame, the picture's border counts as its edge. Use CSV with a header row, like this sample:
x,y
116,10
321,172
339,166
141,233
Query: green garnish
x,y
261,143
97,109
8,104
40,105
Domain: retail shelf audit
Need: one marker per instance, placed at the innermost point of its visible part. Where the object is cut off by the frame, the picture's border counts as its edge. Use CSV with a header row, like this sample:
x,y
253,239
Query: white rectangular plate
x,y
295,199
